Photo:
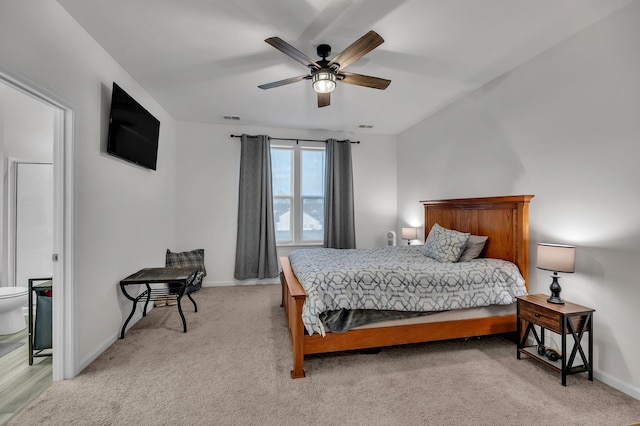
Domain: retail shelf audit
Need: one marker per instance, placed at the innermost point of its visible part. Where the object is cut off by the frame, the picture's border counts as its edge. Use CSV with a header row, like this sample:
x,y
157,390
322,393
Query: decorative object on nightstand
x,y
391,238
409,234
556,258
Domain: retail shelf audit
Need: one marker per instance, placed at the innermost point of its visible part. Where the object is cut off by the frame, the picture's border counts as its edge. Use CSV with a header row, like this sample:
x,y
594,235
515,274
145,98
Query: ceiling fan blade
x,y
364,80
292,52
324,99
283,82
358,49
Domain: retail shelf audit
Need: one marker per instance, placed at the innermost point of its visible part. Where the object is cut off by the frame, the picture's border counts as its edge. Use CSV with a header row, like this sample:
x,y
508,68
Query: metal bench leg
x,y
124,326
192,301
184,322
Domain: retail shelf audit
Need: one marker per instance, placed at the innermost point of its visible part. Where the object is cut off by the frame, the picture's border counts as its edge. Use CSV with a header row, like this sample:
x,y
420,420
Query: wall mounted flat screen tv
x,y
133,131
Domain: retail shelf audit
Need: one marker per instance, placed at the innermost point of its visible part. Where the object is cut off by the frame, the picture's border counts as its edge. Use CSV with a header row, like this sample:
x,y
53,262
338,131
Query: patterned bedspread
x,y
398,278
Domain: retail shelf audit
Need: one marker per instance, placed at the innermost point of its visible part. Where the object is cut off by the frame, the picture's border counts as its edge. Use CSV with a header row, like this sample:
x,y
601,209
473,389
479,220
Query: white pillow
x,y
473,248
444,245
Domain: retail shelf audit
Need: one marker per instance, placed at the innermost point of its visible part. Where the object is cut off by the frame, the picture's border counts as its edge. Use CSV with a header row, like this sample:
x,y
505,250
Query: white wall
x,y
26,134
564,127
124,215
28,126
208,176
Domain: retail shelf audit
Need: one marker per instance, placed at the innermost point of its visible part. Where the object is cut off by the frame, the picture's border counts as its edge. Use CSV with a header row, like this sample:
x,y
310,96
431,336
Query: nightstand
x,y
565,319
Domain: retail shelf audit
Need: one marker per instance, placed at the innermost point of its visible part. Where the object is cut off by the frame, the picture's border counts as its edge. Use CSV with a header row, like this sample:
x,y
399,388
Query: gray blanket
x,y
398,279
345,319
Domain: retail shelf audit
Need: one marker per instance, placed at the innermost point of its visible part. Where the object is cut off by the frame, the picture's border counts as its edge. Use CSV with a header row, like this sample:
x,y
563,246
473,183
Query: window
x,y
298,193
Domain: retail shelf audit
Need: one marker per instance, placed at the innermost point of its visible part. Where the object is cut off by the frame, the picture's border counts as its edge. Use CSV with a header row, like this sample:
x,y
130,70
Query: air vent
x,y
230,117
365,126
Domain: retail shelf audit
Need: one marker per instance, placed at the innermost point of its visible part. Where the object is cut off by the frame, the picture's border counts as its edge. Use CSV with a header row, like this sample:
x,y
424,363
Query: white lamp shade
x,y
556,257
409,233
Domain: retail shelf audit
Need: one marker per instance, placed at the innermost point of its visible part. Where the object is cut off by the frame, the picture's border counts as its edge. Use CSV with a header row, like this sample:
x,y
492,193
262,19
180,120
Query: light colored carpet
x,y
232,368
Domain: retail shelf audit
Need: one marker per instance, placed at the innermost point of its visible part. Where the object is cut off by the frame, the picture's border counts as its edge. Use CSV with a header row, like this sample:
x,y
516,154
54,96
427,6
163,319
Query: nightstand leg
x,y
519,334
565,319
521,338
519,331
577,346
522,342
590,322
564,350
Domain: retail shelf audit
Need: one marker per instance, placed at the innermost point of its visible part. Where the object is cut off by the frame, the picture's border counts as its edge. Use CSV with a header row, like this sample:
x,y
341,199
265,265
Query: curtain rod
x,y
296,139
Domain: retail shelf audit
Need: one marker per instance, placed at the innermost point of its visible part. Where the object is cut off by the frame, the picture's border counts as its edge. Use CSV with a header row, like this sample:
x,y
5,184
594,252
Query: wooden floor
x,y
20,383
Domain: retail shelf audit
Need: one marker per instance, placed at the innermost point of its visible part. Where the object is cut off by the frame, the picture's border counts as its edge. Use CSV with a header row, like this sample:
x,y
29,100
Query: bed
x,y
503,219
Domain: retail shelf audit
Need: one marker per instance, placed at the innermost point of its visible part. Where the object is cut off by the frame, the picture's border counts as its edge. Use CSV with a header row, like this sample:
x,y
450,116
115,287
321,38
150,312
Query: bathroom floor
x,y
20,383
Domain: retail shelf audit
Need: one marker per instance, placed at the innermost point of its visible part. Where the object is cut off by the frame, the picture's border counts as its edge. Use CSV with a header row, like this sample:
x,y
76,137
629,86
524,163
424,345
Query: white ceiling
x,y
202,59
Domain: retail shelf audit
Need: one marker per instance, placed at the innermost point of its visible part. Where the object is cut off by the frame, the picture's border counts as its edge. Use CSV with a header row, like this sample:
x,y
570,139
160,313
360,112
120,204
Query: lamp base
x,y
556,299
555,290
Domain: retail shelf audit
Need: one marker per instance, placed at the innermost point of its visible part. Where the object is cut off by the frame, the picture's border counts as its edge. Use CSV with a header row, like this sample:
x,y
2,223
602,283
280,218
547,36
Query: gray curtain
x,y
256,255
339,223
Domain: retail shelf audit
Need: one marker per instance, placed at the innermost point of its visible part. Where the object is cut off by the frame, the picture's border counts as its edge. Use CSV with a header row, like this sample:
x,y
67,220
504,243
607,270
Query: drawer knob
x,y
537,315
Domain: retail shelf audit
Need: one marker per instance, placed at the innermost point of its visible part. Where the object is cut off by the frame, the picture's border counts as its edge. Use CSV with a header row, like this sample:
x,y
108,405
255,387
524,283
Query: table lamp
x,y
409,234
556,258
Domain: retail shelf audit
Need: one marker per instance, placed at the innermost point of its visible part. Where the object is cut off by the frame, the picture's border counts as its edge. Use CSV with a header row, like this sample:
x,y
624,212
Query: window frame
x,y
297,147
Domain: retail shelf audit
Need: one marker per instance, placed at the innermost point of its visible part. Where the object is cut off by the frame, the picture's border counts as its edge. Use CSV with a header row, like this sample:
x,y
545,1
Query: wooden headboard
x,y
505,220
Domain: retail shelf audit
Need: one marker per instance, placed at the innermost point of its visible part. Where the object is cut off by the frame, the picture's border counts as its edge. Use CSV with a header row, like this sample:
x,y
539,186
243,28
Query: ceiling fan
x,y
324,73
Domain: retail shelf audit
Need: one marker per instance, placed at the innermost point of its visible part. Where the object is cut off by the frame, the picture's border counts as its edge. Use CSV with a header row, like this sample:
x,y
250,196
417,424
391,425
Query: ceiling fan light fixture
x,y
324,81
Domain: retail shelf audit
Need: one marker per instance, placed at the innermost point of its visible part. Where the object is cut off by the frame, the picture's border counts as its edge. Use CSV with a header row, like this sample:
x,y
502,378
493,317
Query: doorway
x,y
59,133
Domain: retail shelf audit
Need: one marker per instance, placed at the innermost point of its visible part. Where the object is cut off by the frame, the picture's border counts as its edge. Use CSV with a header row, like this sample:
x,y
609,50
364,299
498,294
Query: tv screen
x,y
133,131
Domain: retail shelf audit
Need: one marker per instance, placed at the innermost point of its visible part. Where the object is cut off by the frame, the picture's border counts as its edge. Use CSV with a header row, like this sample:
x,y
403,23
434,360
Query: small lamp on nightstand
x,y
409,234
556,258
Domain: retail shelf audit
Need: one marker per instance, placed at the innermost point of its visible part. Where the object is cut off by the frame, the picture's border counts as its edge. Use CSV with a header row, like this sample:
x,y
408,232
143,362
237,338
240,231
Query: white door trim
x,y
64,347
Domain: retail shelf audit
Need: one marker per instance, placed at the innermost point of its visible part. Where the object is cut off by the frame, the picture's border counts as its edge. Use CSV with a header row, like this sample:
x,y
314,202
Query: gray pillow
x,y
444,245
473,248
186,259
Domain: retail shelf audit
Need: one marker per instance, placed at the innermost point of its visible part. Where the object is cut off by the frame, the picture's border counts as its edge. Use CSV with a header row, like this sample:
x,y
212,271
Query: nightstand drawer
x,y
542,316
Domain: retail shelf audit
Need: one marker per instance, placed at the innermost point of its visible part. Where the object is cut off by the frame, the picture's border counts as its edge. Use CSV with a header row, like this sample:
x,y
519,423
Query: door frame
x,y
64,359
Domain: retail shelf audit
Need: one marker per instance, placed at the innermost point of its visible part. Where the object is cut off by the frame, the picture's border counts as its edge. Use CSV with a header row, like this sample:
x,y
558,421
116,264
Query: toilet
x,y
12,299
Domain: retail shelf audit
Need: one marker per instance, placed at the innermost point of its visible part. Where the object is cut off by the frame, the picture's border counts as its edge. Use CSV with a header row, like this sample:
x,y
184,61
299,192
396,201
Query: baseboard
x,y
615,383
103,347
110,341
